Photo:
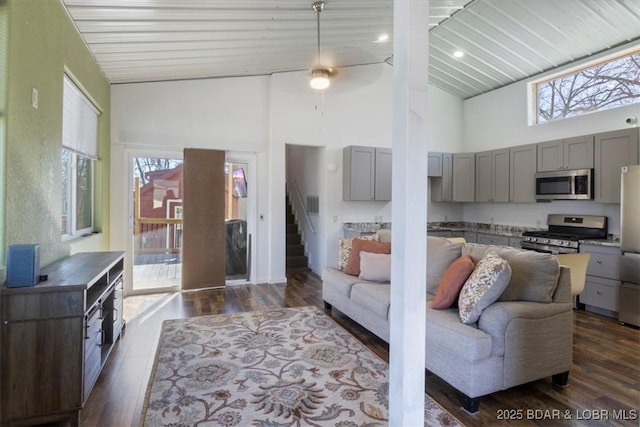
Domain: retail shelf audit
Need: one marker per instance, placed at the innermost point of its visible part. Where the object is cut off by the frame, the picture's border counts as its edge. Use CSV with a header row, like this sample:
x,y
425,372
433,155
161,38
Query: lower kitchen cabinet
x,y
492,239
56,337
600,292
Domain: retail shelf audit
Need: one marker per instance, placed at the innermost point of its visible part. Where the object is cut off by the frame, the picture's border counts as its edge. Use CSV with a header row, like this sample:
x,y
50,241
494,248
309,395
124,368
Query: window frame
x,y
534,92
81,143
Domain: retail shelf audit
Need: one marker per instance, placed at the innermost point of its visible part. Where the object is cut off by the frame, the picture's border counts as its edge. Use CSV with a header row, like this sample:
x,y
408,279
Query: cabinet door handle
x,y
599,261
599,292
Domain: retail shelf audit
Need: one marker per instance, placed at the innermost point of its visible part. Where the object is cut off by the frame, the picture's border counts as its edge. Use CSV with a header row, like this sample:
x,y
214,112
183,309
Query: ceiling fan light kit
x,y
319,75
320,79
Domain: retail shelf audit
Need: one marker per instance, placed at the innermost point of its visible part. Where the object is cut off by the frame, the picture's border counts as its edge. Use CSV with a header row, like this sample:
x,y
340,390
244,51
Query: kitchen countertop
x,y
612,243
474,227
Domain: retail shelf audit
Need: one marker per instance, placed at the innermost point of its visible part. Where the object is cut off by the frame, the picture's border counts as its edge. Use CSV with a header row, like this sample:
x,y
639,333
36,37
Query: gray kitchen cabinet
x,y
603,279
434,165
492,239
442,187
515,242
568,153
492,176
439,233
464,177
522,169
366,173
382,176
470,236
612,151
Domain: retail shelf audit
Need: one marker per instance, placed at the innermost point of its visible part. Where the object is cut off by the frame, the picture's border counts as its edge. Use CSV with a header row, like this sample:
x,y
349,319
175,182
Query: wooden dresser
x,y
56,337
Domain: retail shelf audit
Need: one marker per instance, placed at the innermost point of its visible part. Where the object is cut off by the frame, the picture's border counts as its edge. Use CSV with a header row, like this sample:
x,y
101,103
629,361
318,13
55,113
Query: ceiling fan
x,y
319,74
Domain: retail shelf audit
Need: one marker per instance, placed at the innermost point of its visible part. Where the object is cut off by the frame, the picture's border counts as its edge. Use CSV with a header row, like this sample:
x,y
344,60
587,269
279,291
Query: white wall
x,y
261,115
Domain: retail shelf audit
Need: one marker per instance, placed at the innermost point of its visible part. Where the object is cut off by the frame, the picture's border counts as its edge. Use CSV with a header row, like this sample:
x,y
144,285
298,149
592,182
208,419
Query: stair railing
x,y
298,195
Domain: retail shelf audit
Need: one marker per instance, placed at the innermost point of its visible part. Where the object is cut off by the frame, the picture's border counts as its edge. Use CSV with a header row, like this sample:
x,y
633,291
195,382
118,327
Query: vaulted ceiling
x,y
503,41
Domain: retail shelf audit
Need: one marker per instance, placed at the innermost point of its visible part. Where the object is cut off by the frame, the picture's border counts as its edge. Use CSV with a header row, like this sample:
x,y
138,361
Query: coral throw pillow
x,y
485,285
452,281
344,249
360,245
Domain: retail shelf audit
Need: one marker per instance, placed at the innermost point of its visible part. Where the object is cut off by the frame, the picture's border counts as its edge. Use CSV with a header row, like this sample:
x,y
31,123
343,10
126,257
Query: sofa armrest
x,y
496,318
563,290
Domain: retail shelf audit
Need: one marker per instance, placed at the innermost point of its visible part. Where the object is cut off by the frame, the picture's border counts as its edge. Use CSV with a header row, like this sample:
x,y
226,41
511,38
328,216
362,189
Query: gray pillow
x,y
534,275
440,254
487,281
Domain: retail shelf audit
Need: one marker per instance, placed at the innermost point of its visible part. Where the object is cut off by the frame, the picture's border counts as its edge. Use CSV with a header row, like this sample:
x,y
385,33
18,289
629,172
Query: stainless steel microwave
x,y
576,184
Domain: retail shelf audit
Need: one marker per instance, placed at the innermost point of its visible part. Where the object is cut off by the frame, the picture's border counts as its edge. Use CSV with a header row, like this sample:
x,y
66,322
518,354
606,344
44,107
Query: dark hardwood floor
x,y
605,376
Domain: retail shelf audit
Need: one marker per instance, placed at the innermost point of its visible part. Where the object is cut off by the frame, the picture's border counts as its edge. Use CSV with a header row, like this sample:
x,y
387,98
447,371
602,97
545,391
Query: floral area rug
x,y
276,368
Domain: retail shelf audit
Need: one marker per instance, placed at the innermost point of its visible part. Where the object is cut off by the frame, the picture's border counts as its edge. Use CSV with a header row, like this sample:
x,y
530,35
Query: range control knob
x,y
546,241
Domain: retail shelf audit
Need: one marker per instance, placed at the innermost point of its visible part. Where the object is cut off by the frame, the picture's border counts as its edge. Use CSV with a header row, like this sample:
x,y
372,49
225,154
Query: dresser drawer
x,y
604,262
601,293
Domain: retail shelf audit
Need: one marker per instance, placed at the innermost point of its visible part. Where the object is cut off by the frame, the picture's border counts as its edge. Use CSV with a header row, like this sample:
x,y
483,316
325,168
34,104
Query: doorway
x,y
156,206
157,224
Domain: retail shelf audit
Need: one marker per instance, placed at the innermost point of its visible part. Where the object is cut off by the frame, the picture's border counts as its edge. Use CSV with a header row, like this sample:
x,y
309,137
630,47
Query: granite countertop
x,y
477,227
612,243
503,230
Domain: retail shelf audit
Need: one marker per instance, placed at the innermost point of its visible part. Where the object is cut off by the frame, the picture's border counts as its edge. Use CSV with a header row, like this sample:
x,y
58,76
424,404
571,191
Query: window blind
x,y
79,121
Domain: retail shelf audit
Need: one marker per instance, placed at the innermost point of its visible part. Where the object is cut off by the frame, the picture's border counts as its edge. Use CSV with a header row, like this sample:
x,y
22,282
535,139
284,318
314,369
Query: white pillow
x,y
375,267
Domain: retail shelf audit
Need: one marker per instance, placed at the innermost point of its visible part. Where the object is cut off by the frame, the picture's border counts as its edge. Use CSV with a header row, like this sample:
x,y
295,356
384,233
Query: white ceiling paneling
x,y
504,40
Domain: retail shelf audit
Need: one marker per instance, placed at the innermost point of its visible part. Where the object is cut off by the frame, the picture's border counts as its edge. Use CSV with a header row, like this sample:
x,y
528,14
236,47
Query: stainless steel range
x,y
564,233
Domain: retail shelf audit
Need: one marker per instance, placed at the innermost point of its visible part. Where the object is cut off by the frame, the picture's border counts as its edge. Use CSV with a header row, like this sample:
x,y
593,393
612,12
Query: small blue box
x,y
23,265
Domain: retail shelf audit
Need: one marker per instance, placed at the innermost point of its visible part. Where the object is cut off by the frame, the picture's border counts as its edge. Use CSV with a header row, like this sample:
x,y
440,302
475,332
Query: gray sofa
x,y
524,336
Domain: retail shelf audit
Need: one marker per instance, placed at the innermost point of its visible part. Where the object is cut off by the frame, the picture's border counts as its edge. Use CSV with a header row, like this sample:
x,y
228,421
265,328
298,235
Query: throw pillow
x,y
360,245
440,254
452,281
344,249
488,280
375,267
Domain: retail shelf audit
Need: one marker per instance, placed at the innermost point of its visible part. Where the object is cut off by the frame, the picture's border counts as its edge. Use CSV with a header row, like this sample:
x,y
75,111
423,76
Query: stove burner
x,y
563,236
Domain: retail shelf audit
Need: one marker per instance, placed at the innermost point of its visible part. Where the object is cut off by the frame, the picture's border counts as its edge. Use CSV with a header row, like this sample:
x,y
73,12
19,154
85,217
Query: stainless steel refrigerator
x,y
629,295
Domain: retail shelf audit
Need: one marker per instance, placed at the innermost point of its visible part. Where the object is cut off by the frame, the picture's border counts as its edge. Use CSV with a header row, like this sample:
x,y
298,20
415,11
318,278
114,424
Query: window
x,y
79,151
602,86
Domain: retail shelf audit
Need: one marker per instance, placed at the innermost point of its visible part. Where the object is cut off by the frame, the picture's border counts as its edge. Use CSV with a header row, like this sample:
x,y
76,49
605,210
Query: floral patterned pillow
x,y
488,280
344,249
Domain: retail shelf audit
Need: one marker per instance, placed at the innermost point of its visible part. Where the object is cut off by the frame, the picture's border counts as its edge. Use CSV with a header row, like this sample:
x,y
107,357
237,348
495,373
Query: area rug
x,y
275,368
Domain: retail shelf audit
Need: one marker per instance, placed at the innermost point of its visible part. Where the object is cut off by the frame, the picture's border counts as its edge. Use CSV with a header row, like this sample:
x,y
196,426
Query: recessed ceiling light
x,y
458,54
383,38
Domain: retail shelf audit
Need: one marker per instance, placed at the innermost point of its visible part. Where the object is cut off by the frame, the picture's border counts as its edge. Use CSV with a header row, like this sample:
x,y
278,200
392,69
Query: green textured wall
x,y
43,43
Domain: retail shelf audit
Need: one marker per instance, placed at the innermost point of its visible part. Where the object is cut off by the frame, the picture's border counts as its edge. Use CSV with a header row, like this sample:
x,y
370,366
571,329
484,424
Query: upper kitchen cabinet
x,y
382,176
434,166
612,151
522,165
366,173
492,176
464,176
569,153
442,187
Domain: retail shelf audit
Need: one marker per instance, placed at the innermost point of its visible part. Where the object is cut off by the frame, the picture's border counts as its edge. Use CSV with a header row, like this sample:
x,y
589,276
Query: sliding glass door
x,y
157,224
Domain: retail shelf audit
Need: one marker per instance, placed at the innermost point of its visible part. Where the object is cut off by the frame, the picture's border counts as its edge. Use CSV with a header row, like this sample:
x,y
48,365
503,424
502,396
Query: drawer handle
x,y
599,261
599,292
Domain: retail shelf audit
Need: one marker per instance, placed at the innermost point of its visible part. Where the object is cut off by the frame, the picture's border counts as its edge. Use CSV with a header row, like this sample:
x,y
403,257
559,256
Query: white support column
x,y
408,213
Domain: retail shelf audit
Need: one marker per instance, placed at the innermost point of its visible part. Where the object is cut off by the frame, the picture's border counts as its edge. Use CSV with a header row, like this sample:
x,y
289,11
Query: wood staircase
x,y
296,259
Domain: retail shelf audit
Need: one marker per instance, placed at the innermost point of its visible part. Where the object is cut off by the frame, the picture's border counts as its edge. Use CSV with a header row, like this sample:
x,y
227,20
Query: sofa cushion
x,y
534,275
440,254
375,267
338,282
375,297
361,245
445,331
488,280
452,282
344,249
